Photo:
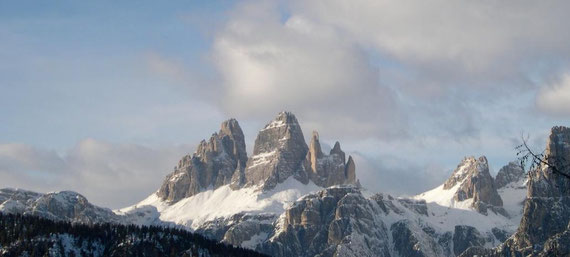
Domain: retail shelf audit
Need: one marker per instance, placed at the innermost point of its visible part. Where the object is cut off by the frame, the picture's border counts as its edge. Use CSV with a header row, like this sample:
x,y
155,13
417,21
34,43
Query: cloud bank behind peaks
x,y
555,98
268,65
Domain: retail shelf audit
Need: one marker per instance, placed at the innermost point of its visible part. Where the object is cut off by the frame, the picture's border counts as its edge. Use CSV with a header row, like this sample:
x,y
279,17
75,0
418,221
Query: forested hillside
x,y
22,235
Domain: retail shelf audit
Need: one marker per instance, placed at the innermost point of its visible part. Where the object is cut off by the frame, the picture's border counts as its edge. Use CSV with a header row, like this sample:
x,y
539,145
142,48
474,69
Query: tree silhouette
x,y
527,156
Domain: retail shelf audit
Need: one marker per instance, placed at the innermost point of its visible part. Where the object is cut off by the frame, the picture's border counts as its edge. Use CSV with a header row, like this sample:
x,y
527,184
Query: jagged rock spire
x,y
472,180
213,164
328,170
512,172
546,211
278,153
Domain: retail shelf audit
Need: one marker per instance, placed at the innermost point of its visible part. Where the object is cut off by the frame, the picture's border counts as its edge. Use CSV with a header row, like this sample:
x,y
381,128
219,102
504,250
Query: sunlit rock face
x,y
547,209
211,166
328,170
278,153
336,221
60,206
472,180
543,229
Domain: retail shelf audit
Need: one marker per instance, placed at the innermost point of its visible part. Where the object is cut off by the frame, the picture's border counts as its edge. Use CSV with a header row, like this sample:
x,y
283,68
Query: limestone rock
x,y
278,153
546,212
212,165
465,237
512,172
337,221
328,170
410,240
473,181
59,206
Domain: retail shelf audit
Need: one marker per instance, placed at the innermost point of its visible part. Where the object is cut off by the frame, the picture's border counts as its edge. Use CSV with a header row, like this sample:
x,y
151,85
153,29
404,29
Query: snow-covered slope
x,y
63,205
222,202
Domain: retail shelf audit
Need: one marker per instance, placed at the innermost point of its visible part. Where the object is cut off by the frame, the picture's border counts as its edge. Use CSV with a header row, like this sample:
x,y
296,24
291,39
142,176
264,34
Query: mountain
x,y
60,206
544,228
469,187
212,165
278,153
292,199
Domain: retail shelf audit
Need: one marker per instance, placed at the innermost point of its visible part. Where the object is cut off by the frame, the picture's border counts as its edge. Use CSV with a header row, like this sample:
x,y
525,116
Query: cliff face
x,y
212,165
544,228
336,221
472,180
546,211
328,170
512,172
278,153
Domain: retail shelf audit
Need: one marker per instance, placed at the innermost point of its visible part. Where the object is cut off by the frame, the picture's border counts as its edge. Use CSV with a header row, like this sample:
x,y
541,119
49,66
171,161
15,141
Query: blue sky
x,y
69,69
96,93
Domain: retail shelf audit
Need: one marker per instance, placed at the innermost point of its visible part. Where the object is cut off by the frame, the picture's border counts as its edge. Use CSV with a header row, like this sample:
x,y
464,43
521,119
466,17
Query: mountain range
x,y
292,199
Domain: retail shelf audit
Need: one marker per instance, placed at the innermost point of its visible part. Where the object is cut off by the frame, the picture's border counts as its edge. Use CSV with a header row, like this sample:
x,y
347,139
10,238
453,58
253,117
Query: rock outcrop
x,y
328,170
465,237
337,221
546,212
472,180
59,206
212,165
278,153
512,172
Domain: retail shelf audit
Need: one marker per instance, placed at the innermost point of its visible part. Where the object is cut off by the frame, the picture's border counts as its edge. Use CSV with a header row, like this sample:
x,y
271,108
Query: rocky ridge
x,y
264,208
279,152
508,174
328,170
60,206
472,187
212,165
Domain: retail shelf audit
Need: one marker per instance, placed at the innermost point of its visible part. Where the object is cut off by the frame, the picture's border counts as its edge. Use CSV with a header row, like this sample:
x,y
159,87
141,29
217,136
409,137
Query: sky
x,y
104,98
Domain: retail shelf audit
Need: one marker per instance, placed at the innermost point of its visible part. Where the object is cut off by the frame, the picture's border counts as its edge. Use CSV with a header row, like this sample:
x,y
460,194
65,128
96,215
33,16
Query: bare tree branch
x,y
525,153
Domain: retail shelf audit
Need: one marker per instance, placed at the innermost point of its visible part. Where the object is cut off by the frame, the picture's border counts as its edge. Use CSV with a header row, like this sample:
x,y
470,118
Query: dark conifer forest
x,y
22,235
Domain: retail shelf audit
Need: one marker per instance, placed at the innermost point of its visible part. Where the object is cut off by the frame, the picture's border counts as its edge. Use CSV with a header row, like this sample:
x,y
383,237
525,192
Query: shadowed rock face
x,y
544,229
278,153
212,165
337,221
465,237
475,182
328,170
546,213
509,173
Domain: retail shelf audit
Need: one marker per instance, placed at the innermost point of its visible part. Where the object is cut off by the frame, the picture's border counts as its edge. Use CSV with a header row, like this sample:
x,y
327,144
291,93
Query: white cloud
x,y
555,98
268,65
110,175
387,68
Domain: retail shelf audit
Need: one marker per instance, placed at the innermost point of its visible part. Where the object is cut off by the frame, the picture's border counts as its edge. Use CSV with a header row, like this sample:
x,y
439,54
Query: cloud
x,y
389,69
555,97
268,65
454,43
397,176
111,175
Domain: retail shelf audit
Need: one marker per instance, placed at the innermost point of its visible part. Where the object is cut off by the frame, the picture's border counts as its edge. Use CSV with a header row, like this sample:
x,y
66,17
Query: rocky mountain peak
x,y
546,212
60,206
213,164
544,181
472,180
328,170
278,153
512,172
469,166
315,146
